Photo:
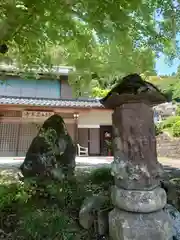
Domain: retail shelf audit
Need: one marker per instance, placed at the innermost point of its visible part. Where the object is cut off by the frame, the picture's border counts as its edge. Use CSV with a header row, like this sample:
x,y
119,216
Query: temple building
x,y
26,103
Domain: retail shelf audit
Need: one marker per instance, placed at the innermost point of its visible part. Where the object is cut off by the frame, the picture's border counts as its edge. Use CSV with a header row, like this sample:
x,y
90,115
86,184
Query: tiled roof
x,y
69,103
64,70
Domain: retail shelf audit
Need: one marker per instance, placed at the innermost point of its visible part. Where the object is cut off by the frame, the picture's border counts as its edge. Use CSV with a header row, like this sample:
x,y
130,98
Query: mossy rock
x,y
51,153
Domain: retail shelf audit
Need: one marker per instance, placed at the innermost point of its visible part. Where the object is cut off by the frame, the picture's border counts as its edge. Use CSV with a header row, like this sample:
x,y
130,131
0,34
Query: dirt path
x,y
171,166
175,163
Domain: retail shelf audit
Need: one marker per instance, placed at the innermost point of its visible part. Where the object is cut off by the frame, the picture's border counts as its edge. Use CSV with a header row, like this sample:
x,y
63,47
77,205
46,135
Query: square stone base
x,y
137,226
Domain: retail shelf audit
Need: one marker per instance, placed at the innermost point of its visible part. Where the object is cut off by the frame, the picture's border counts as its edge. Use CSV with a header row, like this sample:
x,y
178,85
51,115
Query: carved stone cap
x,y
133,88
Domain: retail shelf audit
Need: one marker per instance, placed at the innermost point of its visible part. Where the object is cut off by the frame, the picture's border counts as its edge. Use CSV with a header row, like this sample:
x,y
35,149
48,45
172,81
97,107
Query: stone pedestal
x,y
133,226
137,197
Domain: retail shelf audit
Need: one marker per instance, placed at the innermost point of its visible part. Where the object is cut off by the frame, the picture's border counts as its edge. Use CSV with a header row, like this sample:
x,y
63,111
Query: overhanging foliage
x,y
104,37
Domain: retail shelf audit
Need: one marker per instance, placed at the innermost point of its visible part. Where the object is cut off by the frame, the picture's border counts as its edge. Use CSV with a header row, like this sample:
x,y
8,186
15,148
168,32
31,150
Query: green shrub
x,y
47,223
176,129
13,193
47,209
69,194
170,121
101,176
41,210
178,110
158,129
98,92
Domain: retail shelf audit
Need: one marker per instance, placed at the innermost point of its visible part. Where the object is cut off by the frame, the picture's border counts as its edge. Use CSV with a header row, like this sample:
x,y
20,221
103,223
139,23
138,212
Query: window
x,y
31,88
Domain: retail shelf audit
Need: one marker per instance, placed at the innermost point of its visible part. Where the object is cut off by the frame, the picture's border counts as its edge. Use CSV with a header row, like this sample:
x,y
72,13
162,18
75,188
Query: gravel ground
x,y
12,173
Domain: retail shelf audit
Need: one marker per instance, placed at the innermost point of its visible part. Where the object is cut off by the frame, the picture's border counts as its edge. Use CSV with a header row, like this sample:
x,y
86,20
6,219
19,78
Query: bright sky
x,y
163,68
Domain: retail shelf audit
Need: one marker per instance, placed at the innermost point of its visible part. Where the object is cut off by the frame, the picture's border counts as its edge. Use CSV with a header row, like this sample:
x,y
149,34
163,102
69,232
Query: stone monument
x,y
51,153
137,196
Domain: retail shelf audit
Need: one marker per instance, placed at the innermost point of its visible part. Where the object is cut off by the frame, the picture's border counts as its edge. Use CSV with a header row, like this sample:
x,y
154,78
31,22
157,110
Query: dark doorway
x,y
106,140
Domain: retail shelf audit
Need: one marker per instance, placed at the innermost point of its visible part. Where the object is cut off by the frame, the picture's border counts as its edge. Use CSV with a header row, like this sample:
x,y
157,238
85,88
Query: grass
x,y
47,210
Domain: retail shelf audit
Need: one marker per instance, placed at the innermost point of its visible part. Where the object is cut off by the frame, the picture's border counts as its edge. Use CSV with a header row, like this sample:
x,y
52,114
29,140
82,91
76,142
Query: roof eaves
x,y
69,103
56,70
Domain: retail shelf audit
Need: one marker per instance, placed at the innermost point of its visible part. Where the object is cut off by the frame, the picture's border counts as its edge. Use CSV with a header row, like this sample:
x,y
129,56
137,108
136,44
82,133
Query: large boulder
x,y
174,216
51,153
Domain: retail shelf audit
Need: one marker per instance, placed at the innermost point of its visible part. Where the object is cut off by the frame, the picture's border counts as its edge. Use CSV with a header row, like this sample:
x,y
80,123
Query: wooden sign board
x,y
36,114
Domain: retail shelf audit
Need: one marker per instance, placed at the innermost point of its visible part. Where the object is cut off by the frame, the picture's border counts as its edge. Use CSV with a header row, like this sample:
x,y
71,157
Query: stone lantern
x,y
137,196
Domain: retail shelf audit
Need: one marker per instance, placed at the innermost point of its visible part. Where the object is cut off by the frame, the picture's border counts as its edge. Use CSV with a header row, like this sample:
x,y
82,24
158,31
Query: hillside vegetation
x,y
169,85
170,125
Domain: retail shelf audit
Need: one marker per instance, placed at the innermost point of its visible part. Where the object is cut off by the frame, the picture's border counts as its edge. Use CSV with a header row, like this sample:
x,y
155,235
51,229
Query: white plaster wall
x,y
95,117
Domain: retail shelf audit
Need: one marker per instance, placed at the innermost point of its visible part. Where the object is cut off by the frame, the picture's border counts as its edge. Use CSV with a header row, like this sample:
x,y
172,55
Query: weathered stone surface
x,y
135,163
51,153
168,146
137,226
174,215
102,222
88,210
139,201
